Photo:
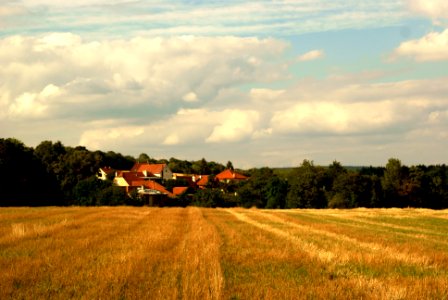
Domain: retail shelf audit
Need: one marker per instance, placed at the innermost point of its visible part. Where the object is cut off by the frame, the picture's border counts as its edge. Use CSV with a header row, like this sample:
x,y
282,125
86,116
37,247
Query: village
x,y
146,179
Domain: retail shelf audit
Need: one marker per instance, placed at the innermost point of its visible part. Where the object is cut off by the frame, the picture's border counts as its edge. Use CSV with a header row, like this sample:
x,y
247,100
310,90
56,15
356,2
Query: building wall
x,y
167,174
119,181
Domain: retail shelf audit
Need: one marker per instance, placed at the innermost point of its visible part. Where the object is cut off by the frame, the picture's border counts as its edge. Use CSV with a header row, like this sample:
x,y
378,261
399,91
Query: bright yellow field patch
x,y
196,253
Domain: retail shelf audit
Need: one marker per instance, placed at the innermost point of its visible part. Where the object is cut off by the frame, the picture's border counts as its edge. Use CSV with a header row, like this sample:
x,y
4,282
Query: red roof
x,y
149,168
230,175
130,176
203,181
179,190
152,185
107,170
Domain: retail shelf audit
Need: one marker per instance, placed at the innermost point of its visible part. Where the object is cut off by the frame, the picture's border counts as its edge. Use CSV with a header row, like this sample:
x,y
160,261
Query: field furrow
x,y
303,245
198,253
350,246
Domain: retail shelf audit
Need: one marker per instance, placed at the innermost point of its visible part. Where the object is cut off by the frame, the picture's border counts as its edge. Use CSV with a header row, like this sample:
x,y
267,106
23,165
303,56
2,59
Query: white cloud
x,y
108,74
435,9
27,105
344,108
190,97
10,10
339,118
110,137
438,117
234,126
187,126
311,55
431,47
62,3
259,18
318,119
33,104
265,95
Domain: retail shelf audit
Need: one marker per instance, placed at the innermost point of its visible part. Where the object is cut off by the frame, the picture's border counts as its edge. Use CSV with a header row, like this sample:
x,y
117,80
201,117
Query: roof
x,y
179,190
107,170
152,185
130,176
149,168
203,181
230,175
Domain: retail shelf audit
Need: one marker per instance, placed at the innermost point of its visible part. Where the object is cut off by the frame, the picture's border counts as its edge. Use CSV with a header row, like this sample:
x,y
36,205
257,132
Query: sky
x,y
259,83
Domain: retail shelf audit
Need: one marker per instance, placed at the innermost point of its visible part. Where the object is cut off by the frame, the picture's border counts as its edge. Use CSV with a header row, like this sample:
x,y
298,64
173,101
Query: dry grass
x,y
193,253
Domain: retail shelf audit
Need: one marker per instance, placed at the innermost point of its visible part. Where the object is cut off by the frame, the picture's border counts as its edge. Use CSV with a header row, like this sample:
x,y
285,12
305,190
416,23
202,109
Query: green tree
x,y
203,167
276,191
143,158
307,189
209,198
253,192
24,179
112,195
351,190
117,161
392,183
438,187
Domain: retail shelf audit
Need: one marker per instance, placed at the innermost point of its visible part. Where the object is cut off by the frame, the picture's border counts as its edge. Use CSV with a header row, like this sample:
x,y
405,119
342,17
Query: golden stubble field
x,y
197,253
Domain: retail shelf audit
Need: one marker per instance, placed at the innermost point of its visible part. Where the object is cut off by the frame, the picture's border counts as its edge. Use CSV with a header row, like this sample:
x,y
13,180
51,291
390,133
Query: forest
x,y
52,174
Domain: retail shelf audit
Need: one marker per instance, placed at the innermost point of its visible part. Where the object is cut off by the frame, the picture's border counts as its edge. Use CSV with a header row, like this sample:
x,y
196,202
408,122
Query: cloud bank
x,y
48,75
160,18
432,47
231,80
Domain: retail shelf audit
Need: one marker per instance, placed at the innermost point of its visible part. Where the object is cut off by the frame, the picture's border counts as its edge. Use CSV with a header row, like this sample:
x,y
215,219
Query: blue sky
x,y
260,83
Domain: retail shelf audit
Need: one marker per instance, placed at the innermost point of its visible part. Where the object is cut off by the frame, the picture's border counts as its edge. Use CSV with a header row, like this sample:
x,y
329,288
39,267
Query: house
x,y
229,175
135,180
150,187
104,172
202,182
153,171
153,192
190,179
126,178
177,191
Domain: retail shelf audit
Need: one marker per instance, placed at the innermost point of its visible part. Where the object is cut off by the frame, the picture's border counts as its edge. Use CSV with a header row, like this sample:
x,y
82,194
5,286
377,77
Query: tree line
x,y
310,186
54,174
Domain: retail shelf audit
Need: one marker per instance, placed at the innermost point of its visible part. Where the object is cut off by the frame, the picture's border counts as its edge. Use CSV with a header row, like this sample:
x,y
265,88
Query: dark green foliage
x,y
307,187
351,190
24,178
85,191
392,183
209,198
113,195
180,166
53,174
276,191
253,192
172,183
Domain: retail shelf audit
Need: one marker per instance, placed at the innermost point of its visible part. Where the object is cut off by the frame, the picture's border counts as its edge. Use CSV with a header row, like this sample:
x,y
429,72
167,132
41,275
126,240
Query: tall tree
x,y
392,183
307,189
143,158
276,191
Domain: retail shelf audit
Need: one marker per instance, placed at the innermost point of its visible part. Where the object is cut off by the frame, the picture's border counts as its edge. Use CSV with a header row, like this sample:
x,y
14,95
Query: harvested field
x,y
197,253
